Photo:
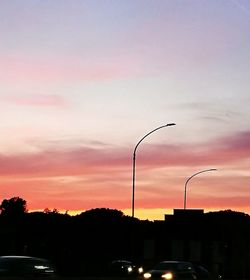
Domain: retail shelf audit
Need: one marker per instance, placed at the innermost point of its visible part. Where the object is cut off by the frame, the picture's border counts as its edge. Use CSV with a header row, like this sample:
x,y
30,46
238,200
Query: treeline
x,y
76,244
86,243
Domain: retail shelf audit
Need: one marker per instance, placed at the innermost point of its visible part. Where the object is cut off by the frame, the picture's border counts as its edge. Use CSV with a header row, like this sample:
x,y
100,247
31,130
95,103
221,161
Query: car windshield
x,y
201,269
23,263
122,262
172,266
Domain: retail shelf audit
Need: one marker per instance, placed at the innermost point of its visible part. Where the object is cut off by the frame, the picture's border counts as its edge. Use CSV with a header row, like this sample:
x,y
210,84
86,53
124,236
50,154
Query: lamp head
x,y
170,124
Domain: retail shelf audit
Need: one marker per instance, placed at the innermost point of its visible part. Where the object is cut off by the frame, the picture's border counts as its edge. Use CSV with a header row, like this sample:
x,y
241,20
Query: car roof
x,y
17,257
121,261
175,262
14,256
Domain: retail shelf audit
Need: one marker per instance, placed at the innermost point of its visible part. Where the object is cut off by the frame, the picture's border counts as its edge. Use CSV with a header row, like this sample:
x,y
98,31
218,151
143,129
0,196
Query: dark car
x,y
203,273
124,268
182,270
171,270
26,267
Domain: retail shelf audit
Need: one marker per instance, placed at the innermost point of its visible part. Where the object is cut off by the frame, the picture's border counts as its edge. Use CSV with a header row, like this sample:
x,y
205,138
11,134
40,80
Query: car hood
x,y
159,272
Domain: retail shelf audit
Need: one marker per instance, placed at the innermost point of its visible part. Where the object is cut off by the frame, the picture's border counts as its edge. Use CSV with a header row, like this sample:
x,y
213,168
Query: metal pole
x,y
134,163
185,191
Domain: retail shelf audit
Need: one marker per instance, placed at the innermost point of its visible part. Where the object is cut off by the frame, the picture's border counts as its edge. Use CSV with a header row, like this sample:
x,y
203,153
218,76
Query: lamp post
x,y
185,192
134,162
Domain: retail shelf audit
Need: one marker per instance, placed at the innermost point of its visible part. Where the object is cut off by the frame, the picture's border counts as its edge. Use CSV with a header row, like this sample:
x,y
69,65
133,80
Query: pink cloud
x,y
59,162
223,150
240,141
45,100
85,159
102,177
24,69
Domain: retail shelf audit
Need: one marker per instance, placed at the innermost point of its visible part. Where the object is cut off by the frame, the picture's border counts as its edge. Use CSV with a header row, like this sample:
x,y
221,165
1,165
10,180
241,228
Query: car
x,y
171,270
26,267
125,268
203,273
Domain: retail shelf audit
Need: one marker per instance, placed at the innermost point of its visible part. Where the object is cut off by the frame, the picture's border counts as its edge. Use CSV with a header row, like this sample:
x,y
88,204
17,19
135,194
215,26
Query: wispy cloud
x,y
74,160
240,141
87,177
23,69
241,6
43,100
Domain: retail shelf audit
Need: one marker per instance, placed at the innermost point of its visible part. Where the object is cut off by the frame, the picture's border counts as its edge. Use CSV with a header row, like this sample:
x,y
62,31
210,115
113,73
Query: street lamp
x,y
134,161
185,192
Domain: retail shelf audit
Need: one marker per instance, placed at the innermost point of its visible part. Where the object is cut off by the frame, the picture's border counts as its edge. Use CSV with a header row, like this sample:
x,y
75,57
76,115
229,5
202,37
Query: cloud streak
x,y
76,160
61,69
40,100
87,177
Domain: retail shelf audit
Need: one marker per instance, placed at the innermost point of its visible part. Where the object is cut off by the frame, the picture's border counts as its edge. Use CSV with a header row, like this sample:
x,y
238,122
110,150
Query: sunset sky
x,y
82,81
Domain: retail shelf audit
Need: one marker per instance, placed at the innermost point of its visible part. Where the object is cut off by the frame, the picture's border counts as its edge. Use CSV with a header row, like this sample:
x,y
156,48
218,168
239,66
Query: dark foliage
x,y
86,243
14,207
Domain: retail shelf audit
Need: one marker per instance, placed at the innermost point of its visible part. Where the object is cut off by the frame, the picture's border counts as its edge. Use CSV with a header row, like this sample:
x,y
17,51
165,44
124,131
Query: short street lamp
x,y
185,192
134,161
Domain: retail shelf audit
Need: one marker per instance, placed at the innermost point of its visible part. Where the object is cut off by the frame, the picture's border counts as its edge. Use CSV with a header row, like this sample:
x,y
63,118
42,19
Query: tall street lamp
x,y
185,192
134,161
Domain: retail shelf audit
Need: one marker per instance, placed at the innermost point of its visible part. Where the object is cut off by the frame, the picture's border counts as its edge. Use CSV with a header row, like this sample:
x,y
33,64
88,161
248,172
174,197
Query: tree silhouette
x,y
13,207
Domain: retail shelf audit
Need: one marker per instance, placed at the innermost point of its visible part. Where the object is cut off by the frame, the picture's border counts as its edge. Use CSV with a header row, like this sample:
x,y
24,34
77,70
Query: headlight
x,y
167,276
140,269
147,275
40,267
130,269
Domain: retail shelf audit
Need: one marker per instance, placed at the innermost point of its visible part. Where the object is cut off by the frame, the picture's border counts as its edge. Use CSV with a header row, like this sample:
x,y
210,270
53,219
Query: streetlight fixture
x,y
134,162
185,192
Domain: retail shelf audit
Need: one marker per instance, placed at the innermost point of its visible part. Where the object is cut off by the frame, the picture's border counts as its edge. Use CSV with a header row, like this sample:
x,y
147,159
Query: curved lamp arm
x,y
134,159
185,191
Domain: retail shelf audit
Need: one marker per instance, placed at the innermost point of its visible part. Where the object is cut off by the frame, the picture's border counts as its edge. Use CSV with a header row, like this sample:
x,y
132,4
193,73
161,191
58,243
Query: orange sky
x,y
101,177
